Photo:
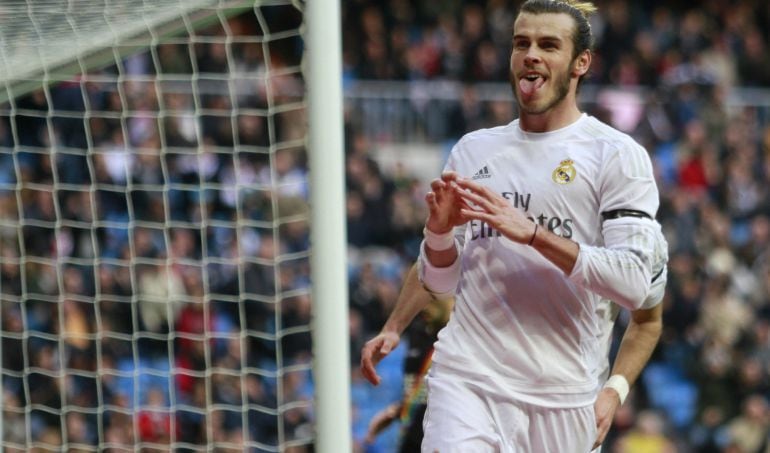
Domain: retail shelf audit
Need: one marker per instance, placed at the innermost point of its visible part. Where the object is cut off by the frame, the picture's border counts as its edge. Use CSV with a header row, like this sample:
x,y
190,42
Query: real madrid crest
x,y
565,173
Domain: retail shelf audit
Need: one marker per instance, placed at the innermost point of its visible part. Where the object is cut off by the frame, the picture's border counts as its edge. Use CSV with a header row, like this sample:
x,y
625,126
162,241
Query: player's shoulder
x,y
610,137
480,138
621,153
475,148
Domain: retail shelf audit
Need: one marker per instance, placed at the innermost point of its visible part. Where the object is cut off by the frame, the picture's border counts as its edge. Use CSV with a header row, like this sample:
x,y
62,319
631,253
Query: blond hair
x,y
585,8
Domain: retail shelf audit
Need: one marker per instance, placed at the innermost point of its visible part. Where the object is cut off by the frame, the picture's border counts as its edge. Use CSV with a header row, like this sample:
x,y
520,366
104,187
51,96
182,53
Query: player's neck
x,y
559,116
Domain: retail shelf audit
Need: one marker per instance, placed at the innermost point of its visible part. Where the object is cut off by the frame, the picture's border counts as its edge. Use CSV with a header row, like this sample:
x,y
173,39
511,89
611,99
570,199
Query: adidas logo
x,y
482,174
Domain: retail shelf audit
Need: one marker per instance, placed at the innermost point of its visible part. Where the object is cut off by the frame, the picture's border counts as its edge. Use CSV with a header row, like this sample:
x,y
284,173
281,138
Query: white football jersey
x,y
520,325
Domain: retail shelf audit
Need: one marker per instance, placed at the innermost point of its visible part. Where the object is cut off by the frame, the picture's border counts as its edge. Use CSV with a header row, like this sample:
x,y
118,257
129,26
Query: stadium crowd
x,y
139,264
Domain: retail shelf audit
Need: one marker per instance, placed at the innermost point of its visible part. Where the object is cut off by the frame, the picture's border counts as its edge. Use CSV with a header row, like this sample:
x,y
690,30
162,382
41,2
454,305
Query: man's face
x,y
541,60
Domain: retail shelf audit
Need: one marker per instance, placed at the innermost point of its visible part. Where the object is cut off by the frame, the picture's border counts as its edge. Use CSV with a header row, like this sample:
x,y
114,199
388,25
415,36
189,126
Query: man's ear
x,y
582,63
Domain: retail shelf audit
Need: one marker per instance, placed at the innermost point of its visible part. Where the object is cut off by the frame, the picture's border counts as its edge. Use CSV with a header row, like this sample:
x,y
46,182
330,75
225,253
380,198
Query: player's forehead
x,y
536,26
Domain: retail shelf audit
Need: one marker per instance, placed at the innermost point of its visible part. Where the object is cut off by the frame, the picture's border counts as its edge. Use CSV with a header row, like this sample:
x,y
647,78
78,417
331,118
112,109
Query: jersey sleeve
x,y
629,268
659,271
621,270
627,181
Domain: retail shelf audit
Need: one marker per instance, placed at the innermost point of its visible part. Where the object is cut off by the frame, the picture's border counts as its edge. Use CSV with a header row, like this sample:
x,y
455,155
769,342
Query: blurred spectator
x,y
647,436
747,433
154,419
706,435
754,61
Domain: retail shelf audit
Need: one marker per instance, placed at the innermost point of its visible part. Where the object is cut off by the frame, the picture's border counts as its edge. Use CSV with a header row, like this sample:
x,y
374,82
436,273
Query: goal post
x,y
331,328
172,245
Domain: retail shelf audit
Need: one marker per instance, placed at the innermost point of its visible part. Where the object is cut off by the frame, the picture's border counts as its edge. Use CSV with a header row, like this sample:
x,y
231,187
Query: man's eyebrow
x,y
541,38
550,38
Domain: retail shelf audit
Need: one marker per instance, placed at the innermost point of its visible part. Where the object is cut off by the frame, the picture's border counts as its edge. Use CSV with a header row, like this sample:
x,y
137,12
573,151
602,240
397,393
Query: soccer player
x,y
420,335
534,227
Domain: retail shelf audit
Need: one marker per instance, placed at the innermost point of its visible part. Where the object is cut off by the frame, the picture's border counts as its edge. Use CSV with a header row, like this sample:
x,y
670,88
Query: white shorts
x,y
463,418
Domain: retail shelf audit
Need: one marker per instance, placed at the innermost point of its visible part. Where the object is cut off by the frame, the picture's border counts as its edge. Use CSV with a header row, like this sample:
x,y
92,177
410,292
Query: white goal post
x,y
331,329
172,244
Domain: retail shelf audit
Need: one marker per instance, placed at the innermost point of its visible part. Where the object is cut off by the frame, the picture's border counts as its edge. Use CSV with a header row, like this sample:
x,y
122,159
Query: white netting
x,y
153,226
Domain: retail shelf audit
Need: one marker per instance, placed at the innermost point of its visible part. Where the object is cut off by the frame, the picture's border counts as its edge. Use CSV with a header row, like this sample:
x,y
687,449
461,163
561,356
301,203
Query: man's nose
x,y
532,56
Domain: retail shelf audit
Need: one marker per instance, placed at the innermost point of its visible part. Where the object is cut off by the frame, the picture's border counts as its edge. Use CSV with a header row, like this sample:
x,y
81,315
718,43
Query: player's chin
x,y
525,103
534,108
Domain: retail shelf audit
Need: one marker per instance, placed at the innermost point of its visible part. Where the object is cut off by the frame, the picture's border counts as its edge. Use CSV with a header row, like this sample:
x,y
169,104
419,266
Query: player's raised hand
x,y
444,205
375,350
491,208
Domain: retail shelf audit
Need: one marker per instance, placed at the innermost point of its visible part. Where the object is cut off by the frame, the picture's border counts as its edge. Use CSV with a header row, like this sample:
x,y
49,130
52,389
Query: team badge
x,y
565,173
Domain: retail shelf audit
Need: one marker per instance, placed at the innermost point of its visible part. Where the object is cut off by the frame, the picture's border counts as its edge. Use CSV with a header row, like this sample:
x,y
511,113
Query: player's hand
x,y
494,210
381,420
375,350
605,406
444,204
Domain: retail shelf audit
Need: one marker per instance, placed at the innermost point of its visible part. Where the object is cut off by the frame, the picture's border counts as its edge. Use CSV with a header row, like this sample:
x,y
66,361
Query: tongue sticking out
x,y
528,87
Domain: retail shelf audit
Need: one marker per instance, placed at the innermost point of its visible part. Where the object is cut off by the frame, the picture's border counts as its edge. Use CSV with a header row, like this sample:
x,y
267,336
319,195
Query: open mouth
x,y
530,83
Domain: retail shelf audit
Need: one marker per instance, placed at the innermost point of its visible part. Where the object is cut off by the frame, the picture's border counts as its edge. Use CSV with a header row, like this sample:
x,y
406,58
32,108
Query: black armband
x,y
618,213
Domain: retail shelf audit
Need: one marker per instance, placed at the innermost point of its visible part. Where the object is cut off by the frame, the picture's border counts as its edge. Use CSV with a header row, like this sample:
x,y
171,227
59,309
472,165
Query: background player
x,y
420,336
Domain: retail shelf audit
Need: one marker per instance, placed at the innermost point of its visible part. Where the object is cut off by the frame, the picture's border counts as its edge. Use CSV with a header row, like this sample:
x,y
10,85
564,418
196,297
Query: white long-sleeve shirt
x,y
520,325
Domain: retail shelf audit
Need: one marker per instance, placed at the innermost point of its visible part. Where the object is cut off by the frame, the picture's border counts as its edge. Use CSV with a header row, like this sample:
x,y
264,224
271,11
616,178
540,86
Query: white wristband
x,y
618,383
439,242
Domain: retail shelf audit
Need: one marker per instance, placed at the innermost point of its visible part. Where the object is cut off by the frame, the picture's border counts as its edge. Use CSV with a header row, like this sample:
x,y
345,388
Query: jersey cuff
x,y
657,290
576,276
441,282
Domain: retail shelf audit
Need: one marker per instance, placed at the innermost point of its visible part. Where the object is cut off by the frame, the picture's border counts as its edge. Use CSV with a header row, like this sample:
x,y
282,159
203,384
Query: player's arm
x,y
439,264
637,345
412,299
639,341
621,268
381,421
435,275
636,348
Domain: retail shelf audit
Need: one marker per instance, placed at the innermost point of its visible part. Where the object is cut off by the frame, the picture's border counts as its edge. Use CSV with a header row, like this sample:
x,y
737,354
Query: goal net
x,y
154,251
